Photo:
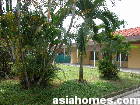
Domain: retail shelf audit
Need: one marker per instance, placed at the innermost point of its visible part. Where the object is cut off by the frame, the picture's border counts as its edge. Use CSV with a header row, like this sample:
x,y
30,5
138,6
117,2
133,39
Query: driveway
x,y
122,69
130,70
130,94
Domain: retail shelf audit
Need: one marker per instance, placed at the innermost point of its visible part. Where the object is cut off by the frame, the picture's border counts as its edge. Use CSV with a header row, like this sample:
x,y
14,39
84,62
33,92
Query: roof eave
x,y
133,38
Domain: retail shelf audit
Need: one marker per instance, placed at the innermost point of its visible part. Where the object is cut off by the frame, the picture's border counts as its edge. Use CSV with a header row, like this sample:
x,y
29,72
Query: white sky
x,y
128,10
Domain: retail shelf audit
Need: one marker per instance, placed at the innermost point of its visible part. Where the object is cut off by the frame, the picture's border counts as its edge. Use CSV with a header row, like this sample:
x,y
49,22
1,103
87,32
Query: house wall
x,y
74,58
92,62
86,59
134,57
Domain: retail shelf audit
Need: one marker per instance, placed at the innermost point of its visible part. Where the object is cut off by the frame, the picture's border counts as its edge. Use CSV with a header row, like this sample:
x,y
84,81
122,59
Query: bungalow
x,y
132,60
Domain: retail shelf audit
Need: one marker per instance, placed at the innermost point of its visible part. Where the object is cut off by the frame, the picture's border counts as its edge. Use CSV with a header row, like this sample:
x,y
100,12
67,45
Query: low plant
x,y
39,72
108,69
112,45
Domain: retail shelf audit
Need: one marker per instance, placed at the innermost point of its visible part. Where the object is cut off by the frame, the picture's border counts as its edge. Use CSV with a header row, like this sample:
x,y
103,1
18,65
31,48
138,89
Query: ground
x,y
133,95
65,84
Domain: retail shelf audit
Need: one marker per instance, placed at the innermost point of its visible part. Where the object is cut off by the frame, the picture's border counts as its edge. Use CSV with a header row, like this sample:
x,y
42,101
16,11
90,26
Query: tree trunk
x,y
81,69
19,44
10,5
1,11
7,5
13,53
72,19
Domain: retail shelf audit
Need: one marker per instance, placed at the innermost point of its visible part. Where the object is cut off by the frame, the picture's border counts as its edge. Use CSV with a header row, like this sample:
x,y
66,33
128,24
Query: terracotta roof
x,y
132,32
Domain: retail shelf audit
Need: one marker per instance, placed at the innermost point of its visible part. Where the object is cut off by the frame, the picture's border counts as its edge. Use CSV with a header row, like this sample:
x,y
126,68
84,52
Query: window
x,y
92,55
124,57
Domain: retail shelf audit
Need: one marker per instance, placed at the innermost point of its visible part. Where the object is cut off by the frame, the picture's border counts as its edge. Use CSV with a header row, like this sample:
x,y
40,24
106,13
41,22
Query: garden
x,y
32,34
66,84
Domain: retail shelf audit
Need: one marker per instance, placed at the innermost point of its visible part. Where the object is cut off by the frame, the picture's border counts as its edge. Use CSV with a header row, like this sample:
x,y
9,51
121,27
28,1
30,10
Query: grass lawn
x,y
65,85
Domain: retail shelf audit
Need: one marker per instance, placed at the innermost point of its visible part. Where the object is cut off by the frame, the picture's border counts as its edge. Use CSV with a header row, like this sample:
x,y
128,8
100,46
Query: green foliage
x,y
35,38
90,11
38,71
11,92
82,39
98,9
112,45
108,69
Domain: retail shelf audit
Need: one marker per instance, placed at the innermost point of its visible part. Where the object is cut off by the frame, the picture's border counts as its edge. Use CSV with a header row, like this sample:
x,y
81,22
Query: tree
x,y
81,41
90,11
36,39
111,44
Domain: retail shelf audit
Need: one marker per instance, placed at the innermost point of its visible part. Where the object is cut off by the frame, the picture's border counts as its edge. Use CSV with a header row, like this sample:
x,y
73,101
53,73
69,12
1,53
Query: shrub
x,y
39,72
108,69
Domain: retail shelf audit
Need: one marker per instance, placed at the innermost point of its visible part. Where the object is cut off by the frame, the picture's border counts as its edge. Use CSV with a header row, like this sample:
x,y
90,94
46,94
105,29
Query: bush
x,y
38,73
108,69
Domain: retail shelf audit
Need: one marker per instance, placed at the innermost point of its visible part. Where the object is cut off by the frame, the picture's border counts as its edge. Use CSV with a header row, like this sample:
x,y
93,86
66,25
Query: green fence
x,y
62,58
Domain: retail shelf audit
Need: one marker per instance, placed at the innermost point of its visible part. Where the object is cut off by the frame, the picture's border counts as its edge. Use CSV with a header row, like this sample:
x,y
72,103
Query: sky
x,y
127,10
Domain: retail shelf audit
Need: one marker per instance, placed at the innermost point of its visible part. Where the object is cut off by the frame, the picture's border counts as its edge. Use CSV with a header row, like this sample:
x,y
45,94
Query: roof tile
x,y
130,32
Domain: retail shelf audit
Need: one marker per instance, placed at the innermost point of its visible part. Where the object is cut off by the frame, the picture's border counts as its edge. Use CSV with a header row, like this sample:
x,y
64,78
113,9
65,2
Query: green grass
x,y
65,84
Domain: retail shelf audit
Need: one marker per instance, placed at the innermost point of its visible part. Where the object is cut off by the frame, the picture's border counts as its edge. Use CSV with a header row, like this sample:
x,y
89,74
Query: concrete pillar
x,y
64,52
120,60
77,56
94,58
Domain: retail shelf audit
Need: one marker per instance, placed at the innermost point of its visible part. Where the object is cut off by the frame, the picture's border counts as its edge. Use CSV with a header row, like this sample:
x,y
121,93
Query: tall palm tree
x,y
81,41
91,10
